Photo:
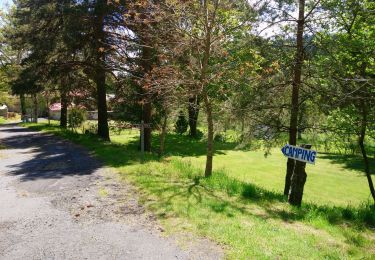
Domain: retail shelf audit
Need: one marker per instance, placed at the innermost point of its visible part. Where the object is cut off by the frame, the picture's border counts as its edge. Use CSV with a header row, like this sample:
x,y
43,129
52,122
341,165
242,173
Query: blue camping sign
x,y
299,153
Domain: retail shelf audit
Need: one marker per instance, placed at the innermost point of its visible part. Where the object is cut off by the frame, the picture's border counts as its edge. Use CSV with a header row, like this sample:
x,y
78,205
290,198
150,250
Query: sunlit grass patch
x,y
2,120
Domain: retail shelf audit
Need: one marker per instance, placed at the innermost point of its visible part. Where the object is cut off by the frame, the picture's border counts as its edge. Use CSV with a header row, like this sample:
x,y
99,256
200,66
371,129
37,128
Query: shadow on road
x,y
43,156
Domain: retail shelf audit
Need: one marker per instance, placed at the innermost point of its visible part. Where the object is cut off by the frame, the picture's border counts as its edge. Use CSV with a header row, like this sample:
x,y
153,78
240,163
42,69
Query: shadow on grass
x,y
358,216
351,162
128,153
114,154
192,188
228,196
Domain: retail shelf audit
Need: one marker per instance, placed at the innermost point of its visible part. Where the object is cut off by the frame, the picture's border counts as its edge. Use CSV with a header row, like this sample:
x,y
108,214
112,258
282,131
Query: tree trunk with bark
x,y
100,77
64,109
103,129
147,117
36,110
146,64
297,184
298,181
361,142
205,93
193,110
289,172
293,126
210,136
23,105
163,134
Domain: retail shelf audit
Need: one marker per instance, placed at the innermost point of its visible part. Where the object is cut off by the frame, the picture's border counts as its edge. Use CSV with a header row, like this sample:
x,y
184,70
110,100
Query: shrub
x,y
219,138
182,124
199,135
91,128
76,118
366,213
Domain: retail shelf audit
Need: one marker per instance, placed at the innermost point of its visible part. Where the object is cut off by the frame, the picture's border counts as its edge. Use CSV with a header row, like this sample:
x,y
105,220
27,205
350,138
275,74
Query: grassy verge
x,y
14,119
249,220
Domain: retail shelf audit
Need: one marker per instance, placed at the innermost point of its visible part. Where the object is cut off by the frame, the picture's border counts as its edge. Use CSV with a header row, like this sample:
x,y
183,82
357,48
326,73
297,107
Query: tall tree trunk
x,y
147,116
193,110
99,77
301,115
47,105
103,129
295,93
36,111
210,136
64,108
163,134
205,93
23,105
146,64
361,142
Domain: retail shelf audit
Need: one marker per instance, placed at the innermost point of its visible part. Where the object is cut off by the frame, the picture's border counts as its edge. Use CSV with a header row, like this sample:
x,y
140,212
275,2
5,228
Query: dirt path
x,y
58,202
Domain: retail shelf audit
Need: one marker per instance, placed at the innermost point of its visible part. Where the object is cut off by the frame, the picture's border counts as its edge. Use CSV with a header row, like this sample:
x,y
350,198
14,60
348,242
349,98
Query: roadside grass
x,y
2,120
246,214
13,118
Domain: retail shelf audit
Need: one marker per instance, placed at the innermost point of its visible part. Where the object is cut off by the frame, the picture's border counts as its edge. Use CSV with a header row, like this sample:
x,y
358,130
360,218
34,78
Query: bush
x,y
219,138
91,128
182,124
199,135
76,117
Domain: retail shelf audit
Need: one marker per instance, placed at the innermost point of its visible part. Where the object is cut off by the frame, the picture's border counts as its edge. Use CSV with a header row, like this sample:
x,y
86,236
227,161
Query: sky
x,y
4,4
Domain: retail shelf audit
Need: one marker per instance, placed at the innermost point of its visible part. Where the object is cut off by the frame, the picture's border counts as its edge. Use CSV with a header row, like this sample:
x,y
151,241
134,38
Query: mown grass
x,y
250,221
333,179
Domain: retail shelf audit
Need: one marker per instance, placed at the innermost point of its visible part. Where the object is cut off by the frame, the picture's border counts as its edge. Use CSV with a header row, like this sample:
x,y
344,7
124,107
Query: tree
x,y
99,55
295,180
206,27
347,70
36,30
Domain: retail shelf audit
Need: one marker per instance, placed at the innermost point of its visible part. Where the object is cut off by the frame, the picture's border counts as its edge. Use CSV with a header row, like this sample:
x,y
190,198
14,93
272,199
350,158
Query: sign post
x,y
303,154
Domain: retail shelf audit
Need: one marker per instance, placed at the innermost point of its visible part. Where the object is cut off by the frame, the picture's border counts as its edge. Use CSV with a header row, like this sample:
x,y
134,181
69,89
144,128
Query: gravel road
x,y
58,202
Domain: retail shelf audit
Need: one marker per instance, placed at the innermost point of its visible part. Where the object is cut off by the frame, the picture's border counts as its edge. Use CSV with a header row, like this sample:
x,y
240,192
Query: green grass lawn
x,y
241,206
329,182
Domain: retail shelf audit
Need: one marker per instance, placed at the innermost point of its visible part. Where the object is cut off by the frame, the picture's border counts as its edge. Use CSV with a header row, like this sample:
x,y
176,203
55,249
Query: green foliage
x,y
181,124
91,128
76,117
